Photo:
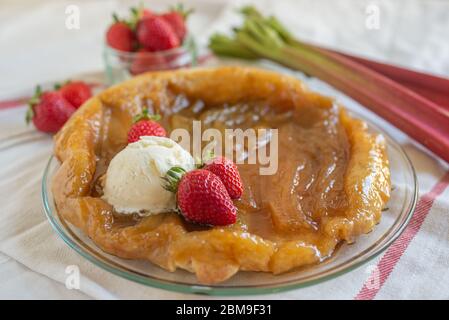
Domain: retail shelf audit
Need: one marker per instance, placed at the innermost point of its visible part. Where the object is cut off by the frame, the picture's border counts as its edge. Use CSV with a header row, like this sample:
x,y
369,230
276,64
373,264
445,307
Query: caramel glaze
x,y
331,184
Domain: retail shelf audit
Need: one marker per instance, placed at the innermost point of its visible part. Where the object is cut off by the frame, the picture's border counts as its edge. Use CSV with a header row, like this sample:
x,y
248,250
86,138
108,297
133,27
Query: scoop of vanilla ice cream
x,y
133,180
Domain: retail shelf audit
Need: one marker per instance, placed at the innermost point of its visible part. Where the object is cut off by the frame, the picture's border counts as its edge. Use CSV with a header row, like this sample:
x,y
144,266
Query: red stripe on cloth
x,y
13,103
391,257
6,104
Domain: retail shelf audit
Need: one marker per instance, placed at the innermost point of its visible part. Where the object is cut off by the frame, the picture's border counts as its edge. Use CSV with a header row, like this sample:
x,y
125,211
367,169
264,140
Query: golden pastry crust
x,y
214,254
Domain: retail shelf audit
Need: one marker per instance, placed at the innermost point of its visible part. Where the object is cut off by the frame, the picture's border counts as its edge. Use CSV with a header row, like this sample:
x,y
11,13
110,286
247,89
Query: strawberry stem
x,y
145,115
179,8
115,18
29,114
136,15
172,178
202,162
32,102
58,85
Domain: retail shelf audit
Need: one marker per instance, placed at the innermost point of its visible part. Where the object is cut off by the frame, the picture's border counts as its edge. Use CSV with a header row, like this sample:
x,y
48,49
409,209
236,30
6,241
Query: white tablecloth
x,y
37,48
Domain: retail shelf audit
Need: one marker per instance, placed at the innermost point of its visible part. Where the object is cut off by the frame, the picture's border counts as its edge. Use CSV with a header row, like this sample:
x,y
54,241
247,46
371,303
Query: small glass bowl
x,y
122,65
399,210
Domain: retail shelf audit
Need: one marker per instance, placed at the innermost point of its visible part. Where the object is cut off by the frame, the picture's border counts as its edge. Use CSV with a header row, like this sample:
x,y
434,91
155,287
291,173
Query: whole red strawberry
x,y
120,36
176,21
145,60
76,92
145,125
202,198
228,173
155,34
176,18
49,110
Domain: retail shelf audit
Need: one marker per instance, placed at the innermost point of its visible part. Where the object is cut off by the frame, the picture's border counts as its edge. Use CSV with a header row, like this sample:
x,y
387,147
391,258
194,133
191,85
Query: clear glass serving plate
x,y
348,257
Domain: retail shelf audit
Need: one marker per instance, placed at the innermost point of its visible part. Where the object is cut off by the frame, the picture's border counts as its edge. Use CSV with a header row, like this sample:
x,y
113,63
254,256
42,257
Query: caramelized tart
x,y
331,184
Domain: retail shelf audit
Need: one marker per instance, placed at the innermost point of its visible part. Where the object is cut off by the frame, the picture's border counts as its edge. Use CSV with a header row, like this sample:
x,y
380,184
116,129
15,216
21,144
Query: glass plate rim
x,y
326,275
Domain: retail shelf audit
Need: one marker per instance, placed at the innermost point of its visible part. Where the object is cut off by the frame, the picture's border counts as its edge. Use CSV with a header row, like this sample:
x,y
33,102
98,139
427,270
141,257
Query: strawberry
x,y
76,92
145,60
201,196
138,13
49,110
228,173
145,125
154,34
176,21
176,18
120,35
146,13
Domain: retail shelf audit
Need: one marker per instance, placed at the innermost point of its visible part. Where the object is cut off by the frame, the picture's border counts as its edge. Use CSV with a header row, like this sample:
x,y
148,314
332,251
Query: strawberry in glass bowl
x,y
148,41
